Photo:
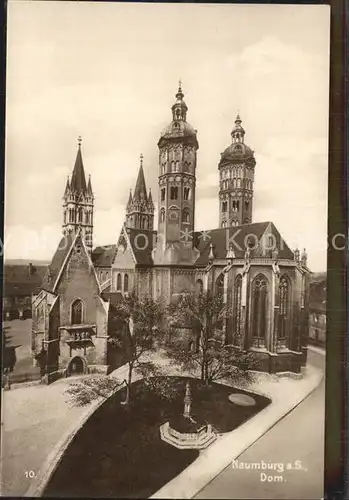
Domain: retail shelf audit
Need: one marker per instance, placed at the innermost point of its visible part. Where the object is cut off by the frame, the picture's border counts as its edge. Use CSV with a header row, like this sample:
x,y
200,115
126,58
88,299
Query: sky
x,y
109,72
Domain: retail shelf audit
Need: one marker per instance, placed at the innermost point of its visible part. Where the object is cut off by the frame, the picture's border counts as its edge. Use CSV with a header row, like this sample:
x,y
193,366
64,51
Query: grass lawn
x,y
119,453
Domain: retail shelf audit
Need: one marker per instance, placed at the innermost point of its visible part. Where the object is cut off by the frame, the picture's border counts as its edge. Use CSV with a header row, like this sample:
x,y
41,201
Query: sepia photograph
x,y
165,250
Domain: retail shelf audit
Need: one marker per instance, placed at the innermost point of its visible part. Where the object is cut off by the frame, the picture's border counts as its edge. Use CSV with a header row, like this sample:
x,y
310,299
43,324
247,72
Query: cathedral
x,y
264,281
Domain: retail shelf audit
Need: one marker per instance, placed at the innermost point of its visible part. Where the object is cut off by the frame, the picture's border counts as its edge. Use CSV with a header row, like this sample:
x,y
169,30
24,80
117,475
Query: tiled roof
x,y
104,256
238,237
19,280
142,244
57,262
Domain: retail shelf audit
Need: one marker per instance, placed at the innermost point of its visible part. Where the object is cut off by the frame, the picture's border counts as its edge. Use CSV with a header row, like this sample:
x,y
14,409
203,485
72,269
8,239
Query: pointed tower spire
x,y
140,192
78,206
78,180
140,208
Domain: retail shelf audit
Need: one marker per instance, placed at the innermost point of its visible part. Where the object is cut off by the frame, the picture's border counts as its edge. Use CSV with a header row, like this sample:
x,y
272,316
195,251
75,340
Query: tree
x,y
205,315
142,332
90,388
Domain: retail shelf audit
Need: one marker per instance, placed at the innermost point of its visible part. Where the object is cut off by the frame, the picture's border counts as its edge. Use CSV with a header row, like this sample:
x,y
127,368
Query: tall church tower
x,y
78,203
236,176
140,206
178,147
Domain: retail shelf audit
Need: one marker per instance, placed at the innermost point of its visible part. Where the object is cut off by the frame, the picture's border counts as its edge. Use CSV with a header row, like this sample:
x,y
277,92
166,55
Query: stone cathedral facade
x,y
265,282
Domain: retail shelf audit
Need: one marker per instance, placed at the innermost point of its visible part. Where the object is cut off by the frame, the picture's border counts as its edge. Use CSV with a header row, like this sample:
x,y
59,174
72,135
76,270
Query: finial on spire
x,y
180,85
141,158
79,141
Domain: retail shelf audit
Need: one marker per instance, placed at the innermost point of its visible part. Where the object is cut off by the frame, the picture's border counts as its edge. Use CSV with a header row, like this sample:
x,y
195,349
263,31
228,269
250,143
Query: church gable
x,y
272,243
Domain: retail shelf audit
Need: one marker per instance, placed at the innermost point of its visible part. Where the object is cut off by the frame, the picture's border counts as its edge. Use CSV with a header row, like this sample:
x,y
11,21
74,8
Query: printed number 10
x,y
29,474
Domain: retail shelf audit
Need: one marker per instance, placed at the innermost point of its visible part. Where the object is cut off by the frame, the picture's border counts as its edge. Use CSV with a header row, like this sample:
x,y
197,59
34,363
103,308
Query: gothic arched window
x,y
126,283
246,205
199,287
186,193
173,166
174,193
237,307
284,297
76,312
185,215
163,194
259,310
177,166
118,282
220,284
162,215
224,206
80,213
163,168
224,223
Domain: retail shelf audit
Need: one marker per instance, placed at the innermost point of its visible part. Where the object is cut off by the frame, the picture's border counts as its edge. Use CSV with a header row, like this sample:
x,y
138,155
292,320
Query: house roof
x,y
103,256
57,261
22,279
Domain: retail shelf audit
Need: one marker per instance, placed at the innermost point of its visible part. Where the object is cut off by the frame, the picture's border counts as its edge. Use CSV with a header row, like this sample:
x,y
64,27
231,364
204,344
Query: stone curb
x,y
219,455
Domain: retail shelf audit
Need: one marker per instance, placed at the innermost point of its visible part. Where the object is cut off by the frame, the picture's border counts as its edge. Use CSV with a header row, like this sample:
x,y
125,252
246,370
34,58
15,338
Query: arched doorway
x,y
76,367
27,314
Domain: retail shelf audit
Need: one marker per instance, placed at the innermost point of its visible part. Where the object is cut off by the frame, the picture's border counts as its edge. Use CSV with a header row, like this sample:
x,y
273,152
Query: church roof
x,y
78,180
103,256
142,244
238,236
57,262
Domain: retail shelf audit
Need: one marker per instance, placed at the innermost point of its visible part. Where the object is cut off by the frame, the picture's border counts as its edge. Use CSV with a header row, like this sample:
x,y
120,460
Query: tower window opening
x,y
174,193
224,223
246,205
162,215
163,168
177,166
173,166
224,206
80,215
163,193
185,215
186,193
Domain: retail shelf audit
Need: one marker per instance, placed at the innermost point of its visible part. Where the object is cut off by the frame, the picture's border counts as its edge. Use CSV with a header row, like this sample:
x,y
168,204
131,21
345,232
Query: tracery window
x,y
284,296
76,312
237,307
259,310
126,283
118,283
